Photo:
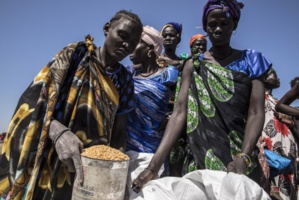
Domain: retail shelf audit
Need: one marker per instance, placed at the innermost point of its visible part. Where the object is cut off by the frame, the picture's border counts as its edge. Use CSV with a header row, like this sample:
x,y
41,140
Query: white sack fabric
x,y
202,185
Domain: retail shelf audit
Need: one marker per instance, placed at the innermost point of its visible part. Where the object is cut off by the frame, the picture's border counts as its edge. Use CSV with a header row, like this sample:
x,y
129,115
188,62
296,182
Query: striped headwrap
x,y
177,26
152,37
230,7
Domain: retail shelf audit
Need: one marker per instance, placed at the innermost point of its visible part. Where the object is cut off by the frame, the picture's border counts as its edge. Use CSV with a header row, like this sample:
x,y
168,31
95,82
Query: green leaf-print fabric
x,y
217,105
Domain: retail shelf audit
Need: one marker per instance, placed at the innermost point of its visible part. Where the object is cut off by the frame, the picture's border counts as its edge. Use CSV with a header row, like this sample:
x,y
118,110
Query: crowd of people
x,y
204,109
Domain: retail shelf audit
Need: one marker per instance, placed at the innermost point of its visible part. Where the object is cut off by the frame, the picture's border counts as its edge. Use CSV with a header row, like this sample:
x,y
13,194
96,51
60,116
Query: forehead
x,y
169,30
126,25
143,43
272,74
218,14
199,41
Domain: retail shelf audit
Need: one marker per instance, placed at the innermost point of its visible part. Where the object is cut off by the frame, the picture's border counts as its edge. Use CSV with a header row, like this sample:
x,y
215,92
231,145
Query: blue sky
x,y
33,31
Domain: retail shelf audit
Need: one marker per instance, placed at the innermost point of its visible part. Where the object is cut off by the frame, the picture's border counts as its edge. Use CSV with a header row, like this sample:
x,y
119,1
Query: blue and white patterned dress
x,y
152,95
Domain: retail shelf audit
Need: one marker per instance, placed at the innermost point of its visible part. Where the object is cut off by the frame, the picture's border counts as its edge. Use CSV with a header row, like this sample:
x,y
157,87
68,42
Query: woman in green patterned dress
x,y
222,98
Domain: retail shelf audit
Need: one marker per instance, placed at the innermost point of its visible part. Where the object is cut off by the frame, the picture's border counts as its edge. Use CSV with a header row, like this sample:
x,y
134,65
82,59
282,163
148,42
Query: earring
x,y
234,32
149,53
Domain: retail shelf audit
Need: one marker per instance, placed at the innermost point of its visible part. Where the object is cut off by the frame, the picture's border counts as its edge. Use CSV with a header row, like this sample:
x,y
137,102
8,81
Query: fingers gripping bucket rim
x,y
103,179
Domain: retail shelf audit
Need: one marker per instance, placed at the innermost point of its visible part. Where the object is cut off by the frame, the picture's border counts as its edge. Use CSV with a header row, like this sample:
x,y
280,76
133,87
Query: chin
x,y
118,57
168,45
135,63
121,58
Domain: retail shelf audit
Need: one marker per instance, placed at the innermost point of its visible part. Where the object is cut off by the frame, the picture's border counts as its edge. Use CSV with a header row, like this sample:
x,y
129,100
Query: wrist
x,y
245,158
56,129
150,169
57,136
179,62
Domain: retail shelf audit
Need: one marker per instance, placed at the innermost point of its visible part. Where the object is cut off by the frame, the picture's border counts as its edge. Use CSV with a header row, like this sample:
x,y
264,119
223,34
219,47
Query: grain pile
x,y
104,152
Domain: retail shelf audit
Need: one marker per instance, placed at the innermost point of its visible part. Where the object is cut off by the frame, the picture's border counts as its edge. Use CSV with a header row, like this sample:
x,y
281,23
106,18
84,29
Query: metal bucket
x,y
103,179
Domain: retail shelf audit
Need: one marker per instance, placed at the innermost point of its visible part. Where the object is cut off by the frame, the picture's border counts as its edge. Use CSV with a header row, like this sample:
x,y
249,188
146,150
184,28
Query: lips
x,y
132,58
121,53
217,36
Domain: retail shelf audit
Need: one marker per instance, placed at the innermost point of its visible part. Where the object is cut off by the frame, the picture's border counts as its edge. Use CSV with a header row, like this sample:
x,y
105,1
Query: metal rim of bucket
x,y
106,160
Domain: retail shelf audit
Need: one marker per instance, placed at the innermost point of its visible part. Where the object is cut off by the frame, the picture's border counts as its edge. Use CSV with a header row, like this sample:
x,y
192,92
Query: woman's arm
x,y
173,130
283,105
255,118
254,126
119,135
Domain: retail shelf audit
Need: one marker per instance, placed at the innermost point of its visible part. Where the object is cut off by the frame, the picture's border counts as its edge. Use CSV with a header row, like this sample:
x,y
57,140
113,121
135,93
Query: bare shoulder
x,y
189,65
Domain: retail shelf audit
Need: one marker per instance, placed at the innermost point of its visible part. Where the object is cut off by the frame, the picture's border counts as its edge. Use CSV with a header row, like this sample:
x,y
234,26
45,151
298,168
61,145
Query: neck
x,y
149,67
269,91
170,53
105,58
222,52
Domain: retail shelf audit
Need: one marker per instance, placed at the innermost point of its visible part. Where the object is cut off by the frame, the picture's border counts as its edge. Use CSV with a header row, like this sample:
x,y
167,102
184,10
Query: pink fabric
x,y
152,37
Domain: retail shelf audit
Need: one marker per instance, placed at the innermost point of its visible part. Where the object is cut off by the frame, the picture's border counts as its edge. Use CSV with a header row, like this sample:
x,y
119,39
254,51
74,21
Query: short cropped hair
x,y
293,82
126,15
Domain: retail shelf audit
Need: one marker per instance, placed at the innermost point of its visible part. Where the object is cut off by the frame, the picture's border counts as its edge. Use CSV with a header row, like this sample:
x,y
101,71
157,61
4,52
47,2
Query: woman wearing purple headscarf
x,y
222,100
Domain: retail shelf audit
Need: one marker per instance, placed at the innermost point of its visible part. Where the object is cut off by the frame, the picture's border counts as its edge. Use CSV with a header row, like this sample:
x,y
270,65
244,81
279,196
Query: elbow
x,y
180,112
257,114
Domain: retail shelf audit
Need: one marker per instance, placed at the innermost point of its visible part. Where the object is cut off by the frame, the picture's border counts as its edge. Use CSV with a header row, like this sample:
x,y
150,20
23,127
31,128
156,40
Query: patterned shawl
x,y
72,88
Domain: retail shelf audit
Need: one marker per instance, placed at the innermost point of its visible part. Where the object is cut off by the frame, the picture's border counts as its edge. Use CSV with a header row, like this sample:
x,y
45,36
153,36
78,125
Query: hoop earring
x,y
149,53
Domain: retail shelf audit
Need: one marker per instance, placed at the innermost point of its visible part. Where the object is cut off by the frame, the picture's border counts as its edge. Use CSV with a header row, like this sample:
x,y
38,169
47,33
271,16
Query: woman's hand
x,y
163,61
68,147
237,166
143,178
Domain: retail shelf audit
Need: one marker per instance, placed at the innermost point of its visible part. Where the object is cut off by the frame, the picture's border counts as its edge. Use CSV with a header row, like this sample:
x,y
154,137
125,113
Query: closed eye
x,y
123,34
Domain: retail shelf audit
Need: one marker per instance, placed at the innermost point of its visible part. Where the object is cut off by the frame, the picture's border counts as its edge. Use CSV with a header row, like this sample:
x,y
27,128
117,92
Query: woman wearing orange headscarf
x,y
198,44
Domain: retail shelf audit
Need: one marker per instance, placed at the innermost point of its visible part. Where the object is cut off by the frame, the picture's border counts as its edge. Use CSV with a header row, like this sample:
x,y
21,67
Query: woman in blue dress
x,y
152,85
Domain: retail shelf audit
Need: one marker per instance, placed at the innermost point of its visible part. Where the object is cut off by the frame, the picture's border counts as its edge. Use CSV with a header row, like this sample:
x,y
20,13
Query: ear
x,y
106,28
264,78
179,39
235,25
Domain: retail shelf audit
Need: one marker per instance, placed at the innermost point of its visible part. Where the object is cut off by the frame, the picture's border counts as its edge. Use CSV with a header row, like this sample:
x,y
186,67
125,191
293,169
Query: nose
x,y
167,37
218,29
126,45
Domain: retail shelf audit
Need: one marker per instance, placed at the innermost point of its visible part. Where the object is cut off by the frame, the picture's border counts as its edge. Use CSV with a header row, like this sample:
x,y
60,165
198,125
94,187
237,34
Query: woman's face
x,y
122,38
171,38
199,46
272,81
140,54
219,27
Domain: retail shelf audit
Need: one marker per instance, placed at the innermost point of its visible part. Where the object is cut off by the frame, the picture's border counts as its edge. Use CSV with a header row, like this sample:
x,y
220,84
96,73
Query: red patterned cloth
x,y
279,139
